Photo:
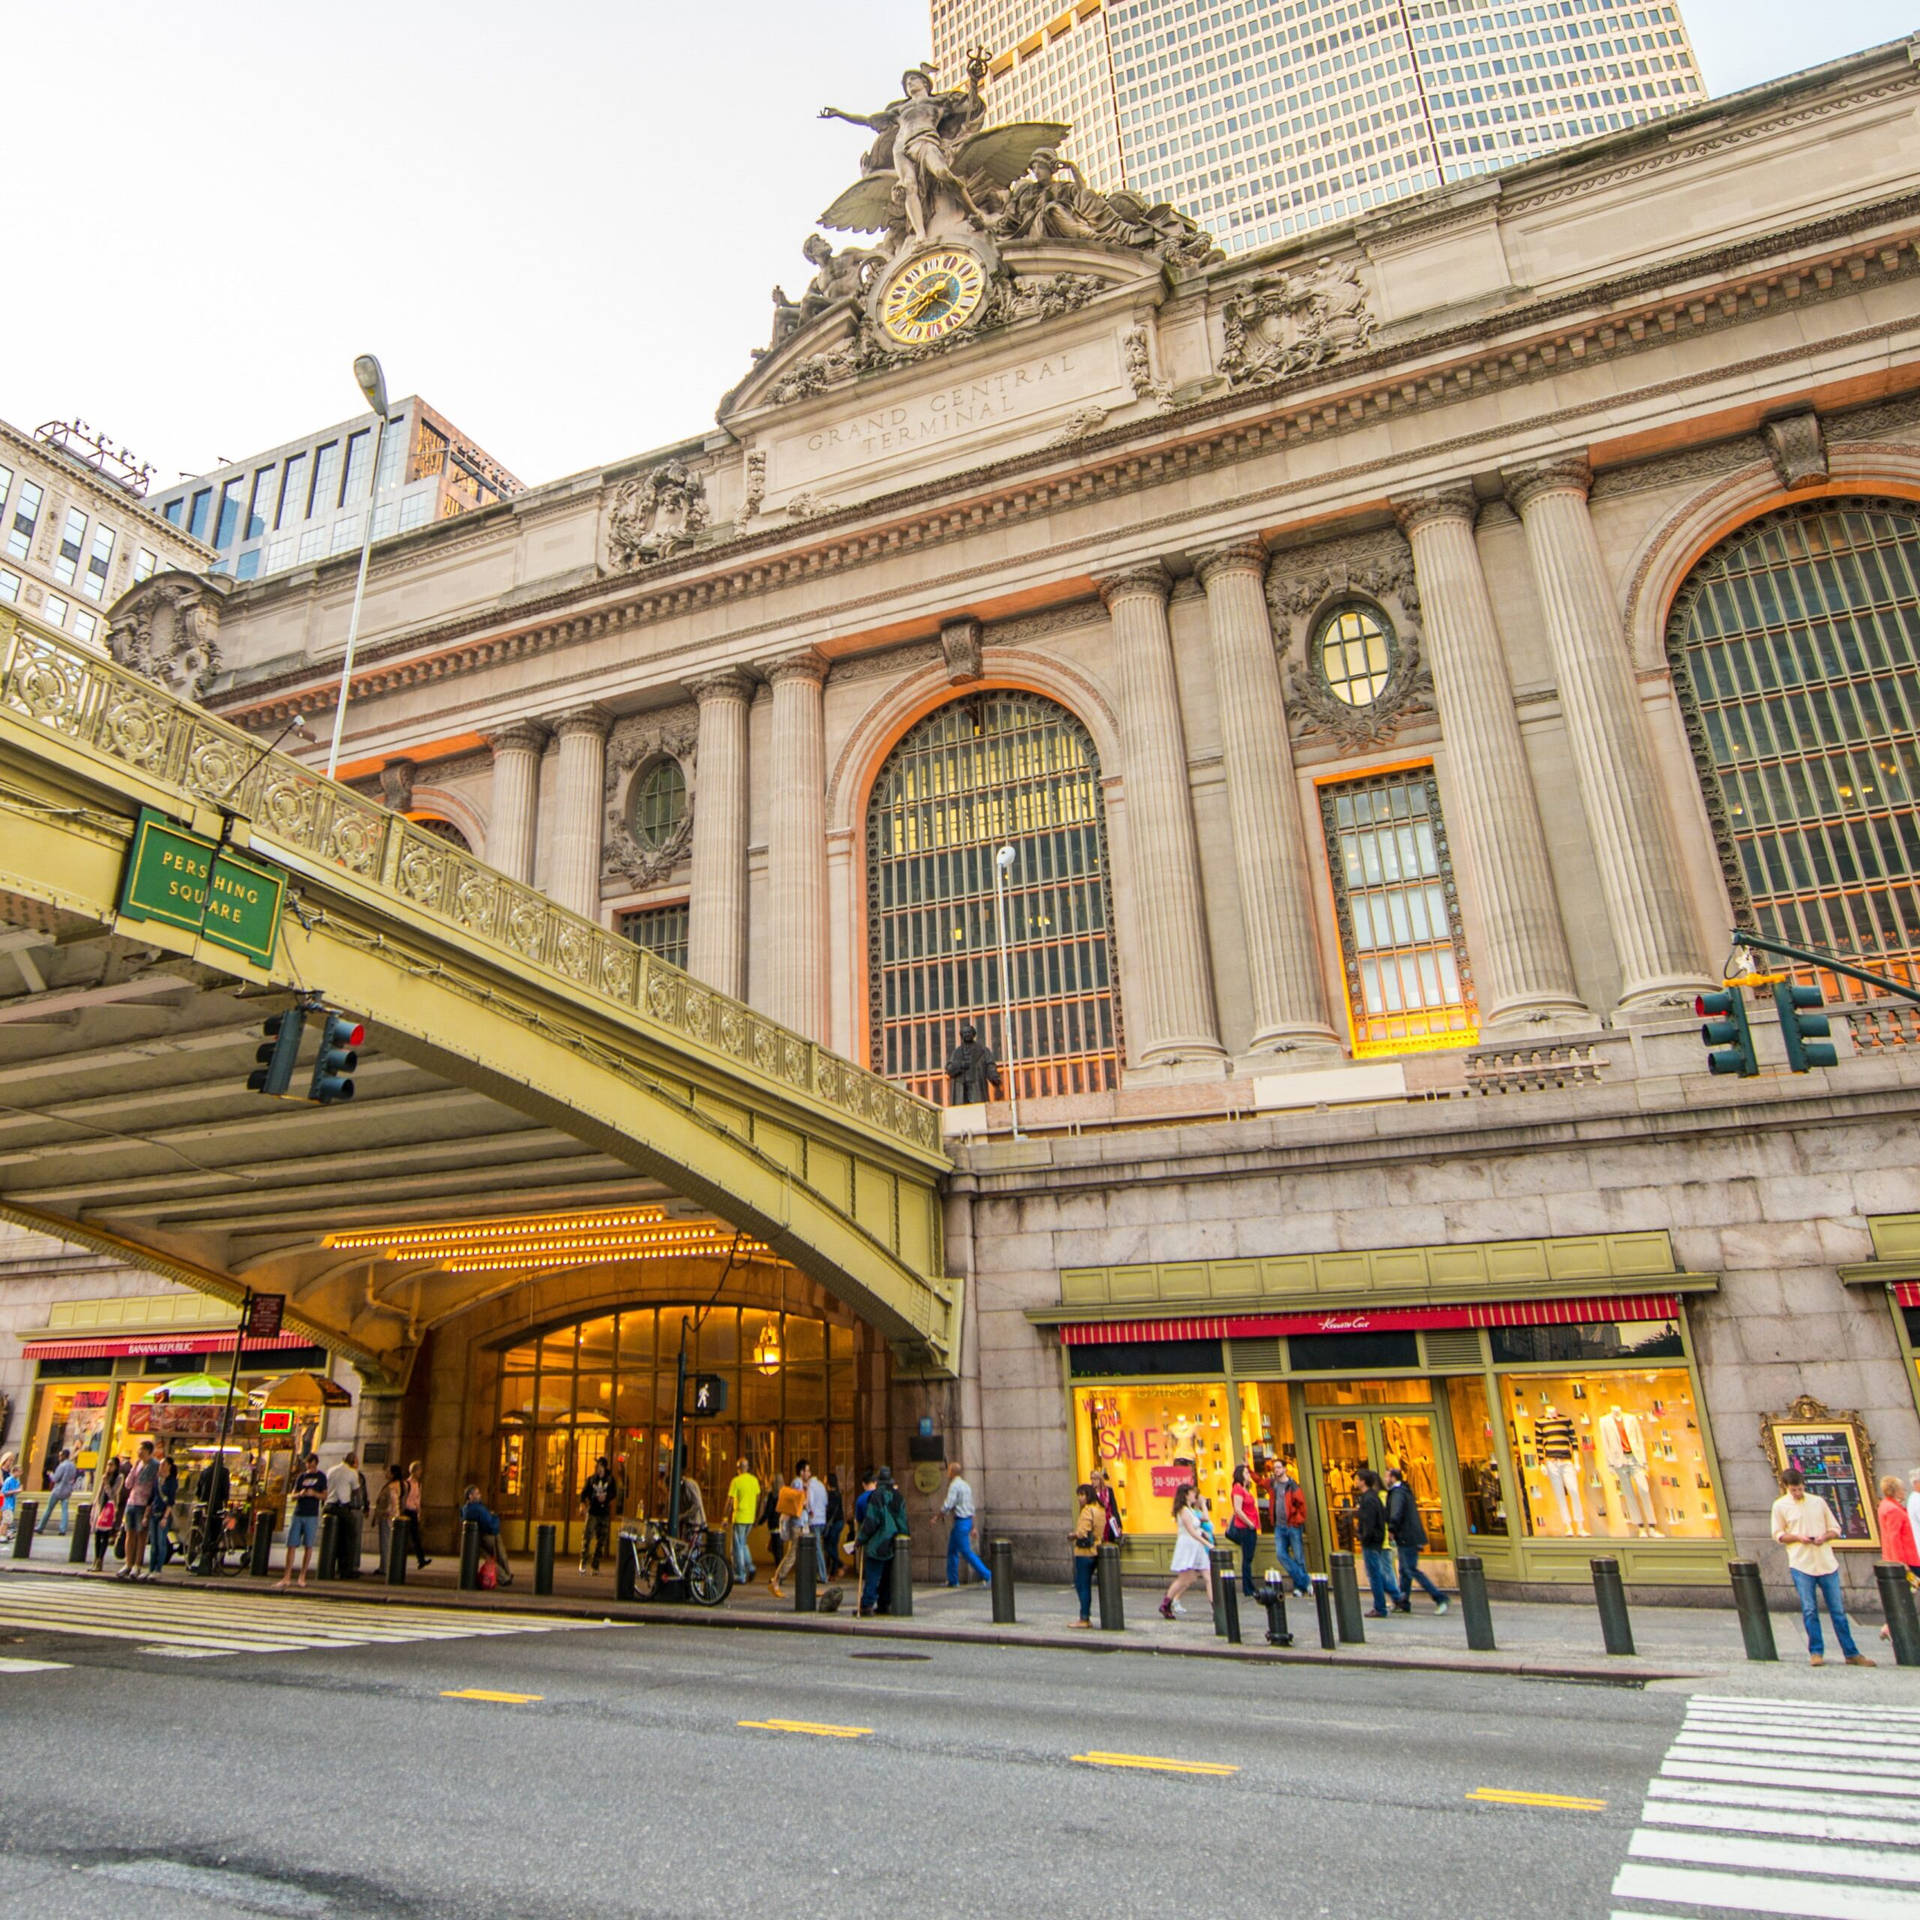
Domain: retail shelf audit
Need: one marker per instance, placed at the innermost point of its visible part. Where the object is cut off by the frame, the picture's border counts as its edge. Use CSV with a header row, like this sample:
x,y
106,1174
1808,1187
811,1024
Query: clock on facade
x,y
932,295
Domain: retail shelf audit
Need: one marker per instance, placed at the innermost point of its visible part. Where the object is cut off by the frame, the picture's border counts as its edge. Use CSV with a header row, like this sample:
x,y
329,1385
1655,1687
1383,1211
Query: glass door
x,y
1379,1438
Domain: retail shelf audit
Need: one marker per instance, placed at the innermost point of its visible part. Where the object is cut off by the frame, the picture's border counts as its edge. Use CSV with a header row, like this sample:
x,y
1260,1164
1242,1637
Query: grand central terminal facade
x,y
1394,669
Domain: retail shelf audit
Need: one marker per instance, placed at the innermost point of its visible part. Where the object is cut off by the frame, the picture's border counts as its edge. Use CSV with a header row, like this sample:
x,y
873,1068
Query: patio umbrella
x,y
303,1390
187,1387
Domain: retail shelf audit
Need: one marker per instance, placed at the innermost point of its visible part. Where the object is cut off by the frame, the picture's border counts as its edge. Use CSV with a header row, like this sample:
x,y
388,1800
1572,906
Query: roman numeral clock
x,y
932,295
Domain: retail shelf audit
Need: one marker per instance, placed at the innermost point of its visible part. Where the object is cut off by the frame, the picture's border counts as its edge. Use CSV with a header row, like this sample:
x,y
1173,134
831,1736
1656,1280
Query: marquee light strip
x,y
491,1246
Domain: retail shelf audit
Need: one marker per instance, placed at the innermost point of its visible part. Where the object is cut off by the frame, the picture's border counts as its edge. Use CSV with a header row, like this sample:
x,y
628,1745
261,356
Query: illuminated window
x,y
1408,982
996,769
1795,646
1356,656
659,803
662,931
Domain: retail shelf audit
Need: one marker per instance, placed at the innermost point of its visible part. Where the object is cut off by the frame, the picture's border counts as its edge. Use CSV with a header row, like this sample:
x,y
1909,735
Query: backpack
x,y
1296,1508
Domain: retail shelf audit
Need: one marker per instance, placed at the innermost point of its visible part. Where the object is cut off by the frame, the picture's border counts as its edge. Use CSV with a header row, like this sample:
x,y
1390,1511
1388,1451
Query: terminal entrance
x,y
1393,1431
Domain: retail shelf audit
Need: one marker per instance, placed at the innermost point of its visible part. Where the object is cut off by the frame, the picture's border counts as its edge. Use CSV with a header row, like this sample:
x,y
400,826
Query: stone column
x,y
797,846
717,910
1269,845
573,864
516,797
1653,930
1521,965
1170,1008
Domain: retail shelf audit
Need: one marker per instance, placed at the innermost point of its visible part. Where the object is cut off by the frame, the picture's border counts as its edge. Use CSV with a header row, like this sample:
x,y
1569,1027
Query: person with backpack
x,y
1290,1528
1243,1528
1409,1534
882,1527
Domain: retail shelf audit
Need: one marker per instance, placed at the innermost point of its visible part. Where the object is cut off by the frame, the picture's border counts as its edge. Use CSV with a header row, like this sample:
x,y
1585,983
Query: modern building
x,y
75,530
1267,120
302,501
1319,719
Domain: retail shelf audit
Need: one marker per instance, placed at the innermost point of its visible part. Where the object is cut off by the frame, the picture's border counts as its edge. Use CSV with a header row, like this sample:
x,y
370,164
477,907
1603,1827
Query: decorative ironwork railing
x,y
74,692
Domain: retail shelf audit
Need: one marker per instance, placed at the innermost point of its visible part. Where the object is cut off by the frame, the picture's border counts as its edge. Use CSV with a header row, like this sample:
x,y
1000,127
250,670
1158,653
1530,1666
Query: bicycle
x,y
663,1560
230,1544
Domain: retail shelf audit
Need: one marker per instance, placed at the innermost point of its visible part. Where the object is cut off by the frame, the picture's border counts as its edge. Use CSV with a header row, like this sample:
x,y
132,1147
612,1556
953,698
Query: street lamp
x,y
1002,866
373,383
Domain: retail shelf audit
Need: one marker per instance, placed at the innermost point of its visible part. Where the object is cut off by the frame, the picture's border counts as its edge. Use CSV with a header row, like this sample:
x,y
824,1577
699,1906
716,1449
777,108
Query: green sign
x,y
191,882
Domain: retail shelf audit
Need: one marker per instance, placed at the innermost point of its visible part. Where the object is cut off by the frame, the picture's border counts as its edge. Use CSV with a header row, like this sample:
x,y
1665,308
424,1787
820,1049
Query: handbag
x,y
104,1519
792,1503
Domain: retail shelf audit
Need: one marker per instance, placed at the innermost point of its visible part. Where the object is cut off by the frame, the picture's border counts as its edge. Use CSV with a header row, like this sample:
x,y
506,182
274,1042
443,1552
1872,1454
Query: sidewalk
x,y
1543,1640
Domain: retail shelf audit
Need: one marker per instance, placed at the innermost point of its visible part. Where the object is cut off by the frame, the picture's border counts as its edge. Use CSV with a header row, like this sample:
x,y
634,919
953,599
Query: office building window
x,y
248,565
146,565
200,513
227,522
662,931
293,492
346,533
359,453
313,544
172,511
1408,982
280,553
260,508
415,508
94,585
6,484
326,475
9,586
26,516
73,539
393,453
85,625
55,611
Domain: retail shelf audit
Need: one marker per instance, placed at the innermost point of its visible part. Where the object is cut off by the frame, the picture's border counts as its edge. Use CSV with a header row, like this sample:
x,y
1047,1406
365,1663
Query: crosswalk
x,y
1781,1807
201,1624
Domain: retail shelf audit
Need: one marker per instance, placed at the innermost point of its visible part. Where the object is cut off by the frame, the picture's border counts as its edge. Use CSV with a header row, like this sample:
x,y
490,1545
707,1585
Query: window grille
x,y
662,931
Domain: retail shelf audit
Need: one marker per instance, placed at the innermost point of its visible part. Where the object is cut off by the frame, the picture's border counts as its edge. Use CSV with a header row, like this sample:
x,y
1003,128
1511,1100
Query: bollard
x,y
346,1550
399,1543
1896,1602
626,1568
1471,1572
1611,1598
1230,1596
543,1539
1219,1573
903,1577
1000,1560
1113,1609
1323,1606
260,1549
1346,1598
1273,1596
329,1547
26,1517
1750,1602
806,1574
469,1556
82,1530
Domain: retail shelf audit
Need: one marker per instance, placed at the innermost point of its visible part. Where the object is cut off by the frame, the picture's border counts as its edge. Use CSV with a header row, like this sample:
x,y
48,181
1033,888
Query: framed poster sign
x,y
1835,1454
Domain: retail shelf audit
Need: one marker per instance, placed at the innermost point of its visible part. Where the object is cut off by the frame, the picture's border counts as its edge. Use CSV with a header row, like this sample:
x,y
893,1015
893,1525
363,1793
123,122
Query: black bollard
x,y
399,1544
25,1518
1219,1573
543,1539
1346,1598
1000,1561
626,1568
806,1574
1472,1575
1230,1598
469,1556
1113,1608
347,1546
902,1576
1323,1606
260,1548
1273,1596
1611,1598
329,1547
1750,1602
82,1528
1896,1602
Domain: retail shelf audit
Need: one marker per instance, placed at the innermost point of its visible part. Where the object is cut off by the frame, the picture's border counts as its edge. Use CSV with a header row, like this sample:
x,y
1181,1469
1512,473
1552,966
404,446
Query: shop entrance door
x,y
1379,1437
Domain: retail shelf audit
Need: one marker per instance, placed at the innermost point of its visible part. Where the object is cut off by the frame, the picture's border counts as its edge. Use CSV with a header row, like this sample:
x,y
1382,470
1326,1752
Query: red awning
x,y
157,1343
1479,1313
1907,1292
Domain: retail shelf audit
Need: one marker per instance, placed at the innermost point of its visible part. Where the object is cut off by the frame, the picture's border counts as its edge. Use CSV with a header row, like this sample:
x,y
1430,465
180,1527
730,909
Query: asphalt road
x,y
343,1781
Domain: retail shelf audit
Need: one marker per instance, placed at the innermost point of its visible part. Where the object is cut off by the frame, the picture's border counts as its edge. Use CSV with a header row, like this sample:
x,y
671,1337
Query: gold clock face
x,y
933,295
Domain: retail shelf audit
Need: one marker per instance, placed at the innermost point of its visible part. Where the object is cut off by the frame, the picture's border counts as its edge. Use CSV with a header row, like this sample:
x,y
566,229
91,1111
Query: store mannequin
x,y
1559,1449
1623,1446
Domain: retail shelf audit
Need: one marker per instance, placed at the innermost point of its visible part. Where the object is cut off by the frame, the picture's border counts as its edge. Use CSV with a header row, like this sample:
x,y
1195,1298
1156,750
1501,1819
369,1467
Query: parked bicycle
x,y
230,1543
664,1561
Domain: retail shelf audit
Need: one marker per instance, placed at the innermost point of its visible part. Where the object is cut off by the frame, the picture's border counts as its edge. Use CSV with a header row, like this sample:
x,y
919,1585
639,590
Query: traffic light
x,y
1803,1028
277,1058
1728,1038
336,1060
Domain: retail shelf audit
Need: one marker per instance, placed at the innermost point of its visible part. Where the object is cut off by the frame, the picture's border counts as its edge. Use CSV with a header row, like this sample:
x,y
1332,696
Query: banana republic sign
x,y
185,880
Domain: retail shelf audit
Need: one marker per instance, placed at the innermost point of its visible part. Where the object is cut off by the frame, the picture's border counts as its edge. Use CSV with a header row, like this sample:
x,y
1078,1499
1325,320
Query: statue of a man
x,y
971,1070
918,138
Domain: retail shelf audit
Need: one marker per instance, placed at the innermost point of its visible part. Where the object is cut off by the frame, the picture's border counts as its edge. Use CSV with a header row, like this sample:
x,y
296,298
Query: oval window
x,y
1356,656
659,803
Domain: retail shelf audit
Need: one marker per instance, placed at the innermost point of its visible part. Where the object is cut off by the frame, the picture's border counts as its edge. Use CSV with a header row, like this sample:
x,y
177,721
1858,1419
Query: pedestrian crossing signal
x,y
709,1396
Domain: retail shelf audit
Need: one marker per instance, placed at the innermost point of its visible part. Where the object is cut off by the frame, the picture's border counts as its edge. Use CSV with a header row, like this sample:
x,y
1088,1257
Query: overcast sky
x,y
557,224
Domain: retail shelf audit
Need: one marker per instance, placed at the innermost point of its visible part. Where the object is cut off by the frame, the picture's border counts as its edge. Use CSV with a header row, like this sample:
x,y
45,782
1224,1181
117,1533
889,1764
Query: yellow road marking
x,y
806,1726
1513,1797
1153,1762
484,1693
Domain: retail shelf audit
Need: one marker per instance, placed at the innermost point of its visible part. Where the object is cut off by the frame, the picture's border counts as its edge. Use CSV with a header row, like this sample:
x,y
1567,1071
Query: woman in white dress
x,y
1191,1560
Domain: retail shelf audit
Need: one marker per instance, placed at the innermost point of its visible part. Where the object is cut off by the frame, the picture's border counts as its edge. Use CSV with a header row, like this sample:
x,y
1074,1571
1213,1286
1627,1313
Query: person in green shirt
x,y
743,1509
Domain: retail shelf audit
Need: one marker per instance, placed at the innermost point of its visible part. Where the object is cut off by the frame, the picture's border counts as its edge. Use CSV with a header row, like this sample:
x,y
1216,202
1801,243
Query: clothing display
x,y
1623,1446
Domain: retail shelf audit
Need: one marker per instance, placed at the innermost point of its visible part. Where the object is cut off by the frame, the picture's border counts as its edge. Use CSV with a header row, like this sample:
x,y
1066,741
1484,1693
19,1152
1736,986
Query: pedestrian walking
x,y
106,1511
1803,1523
957,1510
1191,1559
836,1526
386,1510
793,1523
1370,1529
60,1485
597,1495
1243,1525
303,1530
1408,1533
1290,1528
1109,1504
1897,1541
743,1508
1089,1529
883,1525
412,1509
817,1524
143,1483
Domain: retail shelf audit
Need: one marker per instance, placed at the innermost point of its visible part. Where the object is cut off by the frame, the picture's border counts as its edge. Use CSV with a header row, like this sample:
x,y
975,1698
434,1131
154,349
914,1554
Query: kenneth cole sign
x,y
187,881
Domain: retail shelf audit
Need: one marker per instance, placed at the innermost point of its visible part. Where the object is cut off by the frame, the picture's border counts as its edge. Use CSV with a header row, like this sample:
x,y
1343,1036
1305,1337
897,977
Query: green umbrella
x,y
188,1387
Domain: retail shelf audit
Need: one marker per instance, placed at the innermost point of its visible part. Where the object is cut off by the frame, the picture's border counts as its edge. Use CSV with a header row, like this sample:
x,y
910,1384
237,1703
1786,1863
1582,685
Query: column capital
x,y
1135,580
1248,555
592,718
1525,485
727,683
808,664
519,736
1455,502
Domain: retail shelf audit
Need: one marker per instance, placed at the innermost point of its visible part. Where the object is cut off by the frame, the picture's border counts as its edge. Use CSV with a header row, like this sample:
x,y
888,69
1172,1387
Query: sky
x,y
558,225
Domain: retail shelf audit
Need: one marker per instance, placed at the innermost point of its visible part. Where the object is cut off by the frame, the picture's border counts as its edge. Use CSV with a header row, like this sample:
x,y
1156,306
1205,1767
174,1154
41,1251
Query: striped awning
x,y
1477,1313
157,1344
1907,1292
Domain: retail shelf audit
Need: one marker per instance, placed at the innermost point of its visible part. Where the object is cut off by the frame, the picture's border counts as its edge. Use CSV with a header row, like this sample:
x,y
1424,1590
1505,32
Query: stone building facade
x,y
1355,653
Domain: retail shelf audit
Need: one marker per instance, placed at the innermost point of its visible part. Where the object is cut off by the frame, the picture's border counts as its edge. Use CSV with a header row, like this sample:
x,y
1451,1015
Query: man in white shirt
x,y
957,1510
1803,1523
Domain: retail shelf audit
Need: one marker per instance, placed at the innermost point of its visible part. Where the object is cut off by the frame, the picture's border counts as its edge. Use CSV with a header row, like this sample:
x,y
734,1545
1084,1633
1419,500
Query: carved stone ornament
x,y
1140,369
1797,449
1286,324
634,746
1302,590
657,515
168,631
396,785
756,487
1081,422
960,648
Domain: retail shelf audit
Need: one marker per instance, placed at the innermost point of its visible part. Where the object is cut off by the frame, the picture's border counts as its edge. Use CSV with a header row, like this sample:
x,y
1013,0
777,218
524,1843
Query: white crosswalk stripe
x,y
1780,1807
201,1624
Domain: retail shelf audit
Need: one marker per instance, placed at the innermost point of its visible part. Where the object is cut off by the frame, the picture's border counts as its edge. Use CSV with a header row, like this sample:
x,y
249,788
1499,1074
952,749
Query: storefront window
x,y
1364,1393
1152,1439
1617,1453
1266,1439
1481,1497
71,1418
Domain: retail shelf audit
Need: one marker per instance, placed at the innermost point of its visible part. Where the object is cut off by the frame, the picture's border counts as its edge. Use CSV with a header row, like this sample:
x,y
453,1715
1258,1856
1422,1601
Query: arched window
x,y
659,803
1795,646
1355,649
991,770
441,828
